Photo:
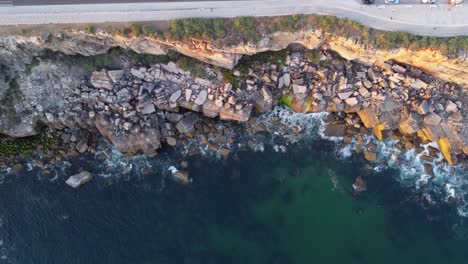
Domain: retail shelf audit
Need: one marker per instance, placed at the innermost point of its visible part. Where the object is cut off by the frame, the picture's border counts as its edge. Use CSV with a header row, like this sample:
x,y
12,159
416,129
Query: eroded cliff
x,y
39,89
18,51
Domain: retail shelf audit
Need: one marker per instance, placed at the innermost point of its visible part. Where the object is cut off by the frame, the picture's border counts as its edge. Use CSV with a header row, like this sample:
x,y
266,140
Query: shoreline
x,y
394,18
179,96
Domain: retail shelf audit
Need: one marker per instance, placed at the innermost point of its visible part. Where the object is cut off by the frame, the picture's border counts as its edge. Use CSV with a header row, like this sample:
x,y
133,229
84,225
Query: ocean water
x,y
296,206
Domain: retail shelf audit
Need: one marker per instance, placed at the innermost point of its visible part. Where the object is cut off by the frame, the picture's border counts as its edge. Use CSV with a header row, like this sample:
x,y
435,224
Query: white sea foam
x,y
297,124
346,152
279,148
447,181
450,183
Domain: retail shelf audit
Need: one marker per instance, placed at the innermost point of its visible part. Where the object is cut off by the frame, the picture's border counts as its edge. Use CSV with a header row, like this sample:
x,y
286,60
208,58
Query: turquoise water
x,y
268,207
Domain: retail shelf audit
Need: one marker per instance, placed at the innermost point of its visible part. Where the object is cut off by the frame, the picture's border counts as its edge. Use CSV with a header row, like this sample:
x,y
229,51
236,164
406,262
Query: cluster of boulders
x,y
138,109
389,99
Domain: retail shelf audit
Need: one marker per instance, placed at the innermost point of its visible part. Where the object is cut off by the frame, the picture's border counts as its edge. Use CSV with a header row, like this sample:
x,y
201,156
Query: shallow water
x,y
293,207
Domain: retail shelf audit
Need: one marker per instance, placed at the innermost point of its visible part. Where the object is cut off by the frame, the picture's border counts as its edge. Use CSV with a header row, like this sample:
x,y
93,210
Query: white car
x,y
392,2
455,2
428,1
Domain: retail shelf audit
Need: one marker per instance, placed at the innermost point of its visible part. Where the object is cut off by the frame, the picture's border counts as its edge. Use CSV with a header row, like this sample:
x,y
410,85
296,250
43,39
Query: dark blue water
x,y
293,207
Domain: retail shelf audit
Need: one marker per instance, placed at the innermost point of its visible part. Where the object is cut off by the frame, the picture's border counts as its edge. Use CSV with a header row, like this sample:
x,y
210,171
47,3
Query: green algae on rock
x,y
10,147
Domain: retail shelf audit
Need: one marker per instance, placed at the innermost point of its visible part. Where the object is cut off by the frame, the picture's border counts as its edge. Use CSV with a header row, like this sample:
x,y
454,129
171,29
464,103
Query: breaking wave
x,y
434,179
442,184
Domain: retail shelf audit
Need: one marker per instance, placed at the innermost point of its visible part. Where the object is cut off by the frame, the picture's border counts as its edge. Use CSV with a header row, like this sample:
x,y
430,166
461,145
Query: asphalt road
x,y
80,2
435,20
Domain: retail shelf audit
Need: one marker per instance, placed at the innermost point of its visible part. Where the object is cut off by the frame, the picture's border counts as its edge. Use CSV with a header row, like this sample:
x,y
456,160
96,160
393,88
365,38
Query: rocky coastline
x,y
140,110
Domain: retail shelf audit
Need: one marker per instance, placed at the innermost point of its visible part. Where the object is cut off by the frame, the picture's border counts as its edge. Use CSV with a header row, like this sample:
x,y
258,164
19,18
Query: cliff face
x,y
41,85
431,61
137,109
18,51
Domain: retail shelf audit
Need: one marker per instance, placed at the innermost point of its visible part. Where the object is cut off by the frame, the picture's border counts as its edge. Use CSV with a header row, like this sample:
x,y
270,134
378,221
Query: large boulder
x,y
79,179
264,102
146,141
137,73
409,123
100,79
210,109
115,75
201,98
335,130
241,115
187,123
432,119
369,116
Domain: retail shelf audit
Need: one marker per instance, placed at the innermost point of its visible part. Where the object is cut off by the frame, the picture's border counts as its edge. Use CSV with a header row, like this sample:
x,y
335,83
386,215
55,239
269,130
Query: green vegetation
x,y
325,63
287,100
90,29
389,39
10,99
289,23
30,66
249,29
10,147
12,95
136,29
108,59
272,57
195,67
313,56
229,77
197,27
245,28
148,31
90,62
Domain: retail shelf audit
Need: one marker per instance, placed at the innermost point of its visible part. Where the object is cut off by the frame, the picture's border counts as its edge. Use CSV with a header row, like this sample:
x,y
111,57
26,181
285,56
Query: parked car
x,y
368,2
392,2
428,1
455,2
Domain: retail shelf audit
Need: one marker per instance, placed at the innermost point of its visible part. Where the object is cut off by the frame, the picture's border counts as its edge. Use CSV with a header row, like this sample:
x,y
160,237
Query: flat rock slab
x,y
115,75
138,74
187,123
352,101
418,84
79,179
148,108
175,96
287,79
100,79
432,119
201,98
335,130
345,95
299,89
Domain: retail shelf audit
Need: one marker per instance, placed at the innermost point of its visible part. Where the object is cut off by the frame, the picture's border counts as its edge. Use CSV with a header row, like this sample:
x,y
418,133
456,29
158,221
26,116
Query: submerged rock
x,y
79,179
335,130
370,156
180,176
359,185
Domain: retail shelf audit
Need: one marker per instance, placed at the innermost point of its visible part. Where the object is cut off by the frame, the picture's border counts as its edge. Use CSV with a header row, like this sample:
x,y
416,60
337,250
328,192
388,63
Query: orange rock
x,y
444,147
370,156
378,130
369,117
182,176
359,185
